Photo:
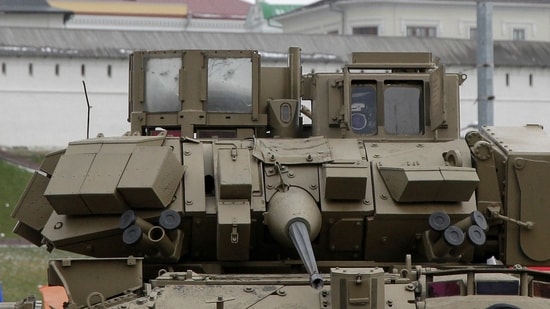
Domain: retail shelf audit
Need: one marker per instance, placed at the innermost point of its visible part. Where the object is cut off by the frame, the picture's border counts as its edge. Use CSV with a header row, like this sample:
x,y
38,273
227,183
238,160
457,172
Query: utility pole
x,y
485,63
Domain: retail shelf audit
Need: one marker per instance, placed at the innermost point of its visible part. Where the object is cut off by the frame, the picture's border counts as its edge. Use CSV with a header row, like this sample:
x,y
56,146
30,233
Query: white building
x,y
512,20
156,15
42,101
42,70
142,15
18,13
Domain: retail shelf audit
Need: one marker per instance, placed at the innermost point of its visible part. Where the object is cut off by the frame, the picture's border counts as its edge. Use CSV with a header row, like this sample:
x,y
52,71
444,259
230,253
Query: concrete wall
x,y
45,109
154,23
524,99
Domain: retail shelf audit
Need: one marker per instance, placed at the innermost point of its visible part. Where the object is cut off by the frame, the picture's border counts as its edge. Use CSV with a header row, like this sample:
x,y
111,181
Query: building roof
x,y
40,42
226,9
29,6
215,9
270,10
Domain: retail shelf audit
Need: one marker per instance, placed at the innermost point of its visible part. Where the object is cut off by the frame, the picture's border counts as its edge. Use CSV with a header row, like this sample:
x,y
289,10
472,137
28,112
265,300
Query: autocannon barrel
x,y
300,237
294,219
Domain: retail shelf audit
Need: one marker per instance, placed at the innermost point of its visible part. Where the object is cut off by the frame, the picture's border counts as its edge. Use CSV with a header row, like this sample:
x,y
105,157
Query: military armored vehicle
x,y
228,192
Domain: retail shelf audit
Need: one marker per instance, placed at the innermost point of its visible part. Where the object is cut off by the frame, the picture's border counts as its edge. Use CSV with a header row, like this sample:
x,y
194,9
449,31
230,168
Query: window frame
x,y
413,31
365,30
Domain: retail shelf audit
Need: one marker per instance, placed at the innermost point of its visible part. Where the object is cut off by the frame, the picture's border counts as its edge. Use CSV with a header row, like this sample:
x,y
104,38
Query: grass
x,y
13,181
22,270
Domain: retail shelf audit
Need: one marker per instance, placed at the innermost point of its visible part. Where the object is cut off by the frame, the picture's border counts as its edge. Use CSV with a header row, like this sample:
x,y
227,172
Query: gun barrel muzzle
x,y
300,238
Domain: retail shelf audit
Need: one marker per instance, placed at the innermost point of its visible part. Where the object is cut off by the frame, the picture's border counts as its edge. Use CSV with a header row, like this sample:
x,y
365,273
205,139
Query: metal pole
x,y
89,107
485,63
344,21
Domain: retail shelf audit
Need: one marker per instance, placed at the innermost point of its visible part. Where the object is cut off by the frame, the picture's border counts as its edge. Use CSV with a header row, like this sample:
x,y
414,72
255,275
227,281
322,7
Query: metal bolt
x,y
187,153
189,202
309,158
281,292
58,225
313,186
519,164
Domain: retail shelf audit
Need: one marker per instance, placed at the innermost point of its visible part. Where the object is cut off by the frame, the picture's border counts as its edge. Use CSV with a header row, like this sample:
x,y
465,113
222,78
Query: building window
x,y
531,80
507,79
419,31
30,69
57,70
518,34
109,70
370,30
473,33
4,69
83,70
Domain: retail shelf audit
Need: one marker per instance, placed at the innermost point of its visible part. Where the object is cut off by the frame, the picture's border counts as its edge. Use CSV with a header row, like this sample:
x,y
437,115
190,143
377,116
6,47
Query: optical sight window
x,y
403,108
229,85
363,108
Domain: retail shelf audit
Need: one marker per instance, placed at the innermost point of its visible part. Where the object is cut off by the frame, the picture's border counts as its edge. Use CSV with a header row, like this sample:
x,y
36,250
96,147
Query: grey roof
x,y
319,47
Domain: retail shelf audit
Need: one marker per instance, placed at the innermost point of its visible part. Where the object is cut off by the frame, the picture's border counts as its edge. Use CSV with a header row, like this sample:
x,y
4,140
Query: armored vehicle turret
x,y
245,186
